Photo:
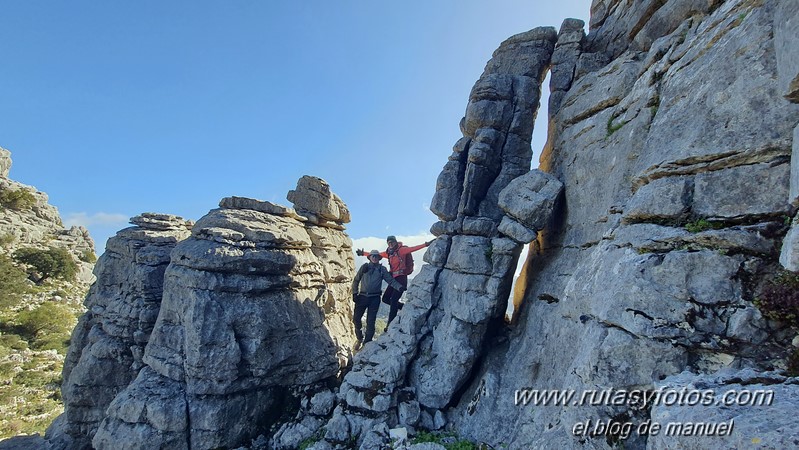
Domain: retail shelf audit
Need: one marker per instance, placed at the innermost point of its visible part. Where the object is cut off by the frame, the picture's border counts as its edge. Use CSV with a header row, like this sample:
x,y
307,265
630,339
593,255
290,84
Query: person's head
x,y
374,256
391,241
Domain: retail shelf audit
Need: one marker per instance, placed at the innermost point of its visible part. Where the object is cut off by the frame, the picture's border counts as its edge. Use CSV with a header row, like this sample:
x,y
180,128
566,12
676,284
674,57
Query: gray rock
x,y
590,62
107,345
5,162
742,191
470,254
161,222
646,238
426,446
255,301
564,61
517,231
793,197
789,255
743,62
530,199
257,205
767,425
314,196
664,199
786,24
633,303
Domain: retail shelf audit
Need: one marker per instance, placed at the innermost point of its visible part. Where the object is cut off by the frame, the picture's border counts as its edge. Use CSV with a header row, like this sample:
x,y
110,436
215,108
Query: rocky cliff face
x,y
687,124
108,343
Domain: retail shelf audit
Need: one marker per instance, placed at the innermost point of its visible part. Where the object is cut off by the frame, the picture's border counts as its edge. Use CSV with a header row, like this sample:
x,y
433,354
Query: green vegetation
x,y
702,225
17,199
450,441
53,262
13,284
29,395
88,256
307,442
380,325
6,240
48,326
612,128
778,298
34,335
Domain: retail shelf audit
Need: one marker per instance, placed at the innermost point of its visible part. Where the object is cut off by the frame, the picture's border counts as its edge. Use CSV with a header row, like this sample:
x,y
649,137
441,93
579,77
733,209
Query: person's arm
x,y
357,281
405,250
390,280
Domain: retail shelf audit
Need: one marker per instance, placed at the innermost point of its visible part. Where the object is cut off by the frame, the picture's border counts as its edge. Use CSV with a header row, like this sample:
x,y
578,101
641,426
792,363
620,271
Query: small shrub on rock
x,y
88,256
778,298
702,225
17,199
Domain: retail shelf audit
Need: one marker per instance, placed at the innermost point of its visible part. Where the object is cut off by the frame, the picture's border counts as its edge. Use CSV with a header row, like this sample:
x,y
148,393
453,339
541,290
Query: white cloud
x,y
100,218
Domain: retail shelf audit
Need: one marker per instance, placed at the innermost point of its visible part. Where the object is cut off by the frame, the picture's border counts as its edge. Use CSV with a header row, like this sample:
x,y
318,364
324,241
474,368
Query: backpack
x,y
409,263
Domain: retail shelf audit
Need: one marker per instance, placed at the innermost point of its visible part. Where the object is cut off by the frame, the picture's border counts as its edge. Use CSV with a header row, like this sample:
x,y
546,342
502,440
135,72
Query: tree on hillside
x,y
53,262
13,283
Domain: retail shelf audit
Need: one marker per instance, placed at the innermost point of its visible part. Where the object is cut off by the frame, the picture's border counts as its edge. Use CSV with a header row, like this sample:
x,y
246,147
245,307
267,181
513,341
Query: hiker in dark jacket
x,y
398,263
366,289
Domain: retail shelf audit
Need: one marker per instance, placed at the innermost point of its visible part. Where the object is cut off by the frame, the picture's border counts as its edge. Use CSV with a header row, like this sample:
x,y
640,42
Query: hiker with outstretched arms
x,y
400,263
366,289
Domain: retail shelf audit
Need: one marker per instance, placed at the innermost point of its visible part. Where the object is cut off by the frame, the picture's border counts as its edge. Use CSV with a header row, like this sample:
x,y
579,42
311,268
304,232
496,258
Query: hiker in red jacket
x,y
400,263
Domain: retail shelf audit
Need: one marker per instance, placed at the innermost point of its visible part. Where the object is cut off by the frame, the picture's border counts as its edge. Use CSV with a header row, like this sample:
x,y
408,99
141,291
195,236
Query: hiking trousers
x,y
369,305
392,296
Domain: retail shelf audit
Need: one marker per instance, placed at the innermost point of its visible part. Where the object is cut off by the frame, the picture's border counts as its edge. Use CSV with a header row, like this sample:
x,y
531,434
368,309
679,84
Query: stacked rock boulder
x,y
107,345
414,371
249,314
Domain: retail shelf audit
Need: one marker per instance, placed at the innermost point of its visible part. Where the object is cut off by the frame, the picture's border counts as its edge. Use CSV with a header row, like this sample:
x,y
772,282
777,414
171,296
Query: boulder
x,y
107,346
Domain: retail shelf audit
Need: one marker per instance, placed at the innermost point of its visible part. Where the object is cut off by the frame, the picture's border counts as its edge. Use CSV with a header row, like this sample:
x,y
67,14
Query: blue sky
x,y
115,108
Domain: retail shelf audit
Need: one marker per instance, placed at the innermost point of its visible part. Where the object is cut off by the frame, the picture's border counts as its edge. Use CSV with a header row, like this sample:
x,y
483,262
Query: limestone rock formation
x,y
108,343
675,160
256,304
414,371
5,162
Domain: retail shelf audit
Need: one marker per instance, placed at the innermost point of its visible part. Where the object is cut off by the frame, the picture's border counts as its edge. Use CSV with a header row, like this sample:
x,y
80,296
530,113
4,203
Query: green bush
x,y
778,298
53,262
48,326
6,240
13,284
88,256
17,199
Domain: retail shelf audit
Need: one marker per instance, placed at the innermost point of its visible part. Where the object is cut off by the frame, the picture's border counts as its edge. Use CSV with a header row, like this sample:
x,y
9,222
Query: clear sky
x,y
114,108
